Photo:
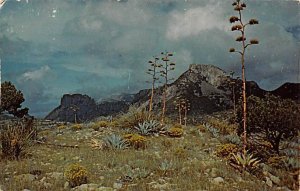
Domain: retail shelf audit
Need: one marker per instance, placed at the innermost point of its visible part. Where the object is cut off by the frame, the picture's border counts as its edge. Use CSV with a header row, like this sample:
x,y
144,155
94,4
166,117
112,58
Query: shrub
x,y
11,100
223,126
16,137
276,161
271,116
175,132
76,175
97,125
76,127
60,127
136,141
226,150
115,142
133,117
181,152
201,128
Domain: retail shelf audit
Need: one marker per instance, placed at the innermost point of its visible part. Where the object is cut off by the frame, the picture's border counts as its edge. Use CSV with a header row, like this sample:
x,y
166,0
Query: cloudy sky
x,y
101,47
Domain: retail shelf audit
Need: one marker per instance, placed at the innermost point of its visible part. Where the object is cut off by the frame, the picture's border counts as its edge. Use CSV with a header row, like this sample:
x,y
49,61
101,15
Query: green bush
x,y
271,116
11,100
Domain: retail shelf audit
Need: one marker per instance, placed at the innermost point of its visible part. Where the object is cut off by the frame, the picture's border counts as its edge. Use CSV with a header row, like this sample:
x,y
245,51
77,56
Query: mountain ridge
x,y
207,87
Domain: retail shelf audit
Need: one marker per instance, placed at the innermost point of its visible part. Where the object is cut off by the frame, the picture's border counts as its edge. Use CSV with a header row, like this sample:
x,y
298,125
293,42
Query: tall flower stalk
x,y
241,27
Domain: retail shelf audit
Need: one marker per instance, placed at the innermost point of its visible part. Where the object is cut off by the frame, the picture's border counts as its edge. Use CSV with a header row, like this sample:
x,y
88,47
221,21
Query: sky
x,y
101,47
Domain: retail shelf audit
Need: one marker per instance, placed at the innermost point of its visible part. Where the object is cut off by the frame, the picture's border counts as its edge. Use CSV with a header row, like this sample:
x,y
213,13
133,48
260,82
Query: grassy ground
x,y
185,163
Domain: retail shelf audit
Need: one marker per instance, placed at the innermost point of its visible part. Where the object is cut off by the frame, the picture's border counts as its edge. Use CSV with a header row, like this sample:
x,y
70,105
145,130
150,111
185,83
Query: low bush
x,y
132,118
226,150
276,161
136,141
76,175
223,126
77,127
175,131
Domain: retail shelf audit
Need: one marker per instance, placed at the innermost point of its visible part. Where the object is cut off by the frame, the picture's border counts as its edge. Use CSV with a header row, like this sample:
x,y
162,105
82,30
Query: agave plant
x,y
148,127
115,142
166,166
245,161
234,139
215,132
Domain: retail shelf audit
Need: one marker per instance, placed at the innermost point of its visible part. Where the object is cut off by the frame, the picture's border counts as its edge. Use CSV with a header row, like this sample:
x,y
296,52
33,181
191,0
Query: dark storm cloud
x,y
93,46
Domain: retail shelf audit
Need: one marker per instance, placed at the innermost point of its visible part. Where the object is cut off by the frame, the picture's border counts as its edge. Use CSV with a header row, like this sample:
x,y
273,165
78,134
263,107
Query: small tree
x,y
273,117
11,100
166,68
241,27
152,71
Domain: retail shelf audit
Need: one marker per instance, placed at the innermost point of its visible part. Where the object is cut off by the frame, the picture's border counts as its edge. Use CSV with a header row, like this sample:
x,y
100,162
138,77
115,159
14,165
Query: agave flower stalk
x,y
152,71
166,68
240,27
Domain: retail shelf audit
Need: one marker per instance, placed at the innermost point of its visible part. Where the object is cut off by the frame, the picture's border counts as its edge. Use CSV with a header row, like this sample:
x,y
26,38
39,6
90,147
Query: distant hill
x,y
288,90
207,88
85,108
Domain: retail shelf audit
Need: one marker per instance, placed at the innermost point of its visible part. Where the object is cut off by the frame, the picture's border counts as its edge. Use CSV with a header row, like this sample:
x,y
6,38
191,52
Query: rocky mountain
x,y
84,108
206,87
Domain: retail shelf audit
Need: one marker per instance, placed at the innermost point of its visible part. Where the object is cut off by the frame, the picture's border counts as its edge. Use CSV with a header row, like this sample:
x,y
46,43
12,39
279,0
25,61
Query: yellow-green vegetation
x,y
136,141
76,175
276,161
77,127
175,131
15,138
181,152
225,150
223,126
100,124
172,164
245,161
132,118
60,127
201,128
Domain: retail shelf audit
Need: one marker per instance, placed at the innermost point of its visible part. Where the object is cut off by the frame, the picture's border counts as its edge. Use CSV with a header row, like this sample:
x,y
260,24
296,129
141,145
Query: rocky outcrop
x,y
84,108
206,87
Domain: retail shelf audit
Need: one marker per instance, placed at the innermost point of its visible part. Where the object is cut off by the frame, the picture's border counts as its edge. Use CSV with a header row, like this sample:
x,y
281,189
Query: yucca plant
x,y
115,142
245,161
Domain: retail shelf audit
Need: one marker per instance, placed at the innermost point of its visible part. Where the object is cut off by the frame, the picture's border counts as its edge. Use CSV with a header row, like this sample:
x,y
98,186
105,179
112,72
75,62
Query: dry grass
x,y
183,163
